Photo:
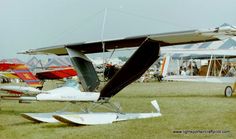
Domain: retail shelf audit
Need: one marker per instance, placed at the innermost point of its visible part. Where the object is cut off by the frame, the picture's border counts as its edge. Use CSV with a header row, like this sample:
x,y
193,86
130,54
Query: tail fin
x,y
156,106
23,72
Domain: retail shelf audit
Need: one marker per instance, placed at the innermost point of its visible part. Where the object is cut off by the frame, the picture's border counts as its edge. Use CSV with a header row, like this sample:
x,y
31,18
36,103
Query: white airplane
x,y
146,54
212,54
198,54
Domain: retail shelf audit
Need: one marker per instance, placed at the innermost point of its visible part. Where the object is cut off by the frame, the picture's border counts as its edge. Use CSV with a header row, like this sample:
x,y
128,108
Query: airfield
x,y
185,107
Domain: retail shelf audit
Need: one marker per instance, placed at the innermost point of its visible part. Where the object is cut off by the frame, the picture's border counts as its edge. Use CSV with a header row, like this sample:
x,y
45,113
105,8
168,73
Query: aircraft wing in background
x,y
20,90
10,75
214,52
210,79
56,73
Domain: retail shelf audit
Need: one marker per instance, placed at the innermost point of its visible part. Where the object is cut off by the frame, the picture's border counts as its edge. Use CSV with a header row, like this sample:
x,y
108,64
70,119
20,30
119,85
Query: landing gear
x,y
228,91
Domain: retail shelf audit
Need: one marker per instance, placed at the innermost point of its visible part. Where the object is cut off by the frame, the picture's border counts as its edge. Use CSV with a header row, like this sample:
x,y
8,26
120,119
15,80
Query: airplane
x,y
21,71
214,56
72,93
146,54
34,82
211,55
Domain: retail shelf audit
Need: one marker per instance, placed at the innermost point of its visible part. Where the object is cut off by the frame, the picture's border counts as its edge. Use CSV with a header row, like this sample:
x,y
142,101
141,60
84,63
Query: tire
x,y
228,91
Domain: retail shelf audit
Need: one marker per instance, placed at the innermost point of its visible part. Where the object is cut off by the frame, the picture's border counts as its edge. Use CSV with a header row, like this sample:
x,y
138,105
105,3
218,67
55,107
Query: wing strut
x,y
133,69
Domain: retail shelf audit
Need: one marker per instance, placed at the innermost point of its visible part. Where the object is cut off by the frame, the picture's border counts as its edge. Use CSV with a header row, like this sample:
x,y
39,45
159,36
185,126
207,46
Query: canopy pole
x,y
191,66
214,69
221,68
209,67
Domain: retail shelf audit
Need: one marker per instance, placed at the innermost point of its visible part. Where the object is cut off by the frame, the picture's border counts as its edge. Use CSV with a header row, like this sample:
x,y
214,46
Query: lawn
x,y
184,106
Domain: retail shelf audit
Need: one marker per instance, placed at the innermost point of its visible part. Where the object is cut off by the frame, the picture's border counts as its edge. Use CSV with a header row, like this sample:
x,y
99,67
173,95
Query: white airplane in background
x,y
146,54
212,54
198,54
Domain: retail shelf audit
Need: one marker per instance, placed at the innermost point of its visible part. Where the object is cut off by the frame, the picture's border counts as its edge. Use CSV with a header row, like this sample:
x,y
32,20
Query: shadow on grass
x,y
195,95
177,96
12,112
22,123
61,125
45,125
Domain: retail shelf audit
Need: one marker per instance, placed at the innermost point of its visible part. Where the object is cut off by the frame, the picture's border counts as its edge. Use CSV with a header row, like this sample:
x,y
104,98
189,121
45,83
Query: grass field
x,y
184,106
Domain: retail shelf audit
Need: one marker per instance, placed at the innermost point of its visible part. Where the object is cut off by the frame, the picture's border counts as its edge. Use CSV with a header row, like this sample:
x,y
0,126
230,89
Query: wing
x,y
215,52
209,79
10,75
27,76
20,90
56,73
164,39
146,54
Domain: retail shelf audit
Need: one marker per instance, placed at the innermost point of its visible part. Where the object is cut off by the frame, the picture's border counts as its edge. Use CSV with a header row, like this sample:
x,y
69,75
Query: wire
x,y
75,27
150,18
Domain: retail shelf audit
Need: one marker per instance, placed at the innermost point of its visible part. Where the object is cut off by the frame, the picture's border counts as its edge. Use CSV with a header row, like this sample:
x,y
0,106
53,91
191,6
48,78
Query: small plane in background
x,y
216,71
34,82
145,55
21,71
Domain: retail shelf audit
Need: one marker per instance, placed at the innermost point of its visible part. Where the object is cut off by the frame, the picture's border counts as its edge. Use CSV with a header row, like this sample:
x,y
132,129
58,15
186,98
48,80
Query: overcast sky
x,y
29,24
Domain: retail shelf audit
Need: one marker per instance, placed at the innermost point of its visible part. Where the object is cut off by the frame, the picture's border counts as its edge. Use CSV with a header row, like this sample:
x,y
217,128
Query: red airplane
x,y
22,71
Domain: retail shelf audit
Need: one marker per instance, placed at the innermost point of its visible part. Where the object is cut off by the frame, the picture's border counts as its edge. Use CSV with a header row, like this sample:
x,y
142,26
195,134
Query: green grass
x,y
184,106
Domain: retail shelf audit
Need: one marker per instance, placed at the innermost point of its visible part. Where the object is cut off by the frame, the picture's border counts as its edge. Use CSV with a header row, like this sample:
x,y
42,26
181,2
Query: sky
x,y
27,24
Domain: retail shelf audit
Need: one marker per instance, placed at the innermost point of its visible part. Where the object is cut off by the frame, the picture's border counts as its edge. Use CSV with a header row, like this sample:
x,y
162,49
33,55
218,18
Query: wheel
x,y
228,91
